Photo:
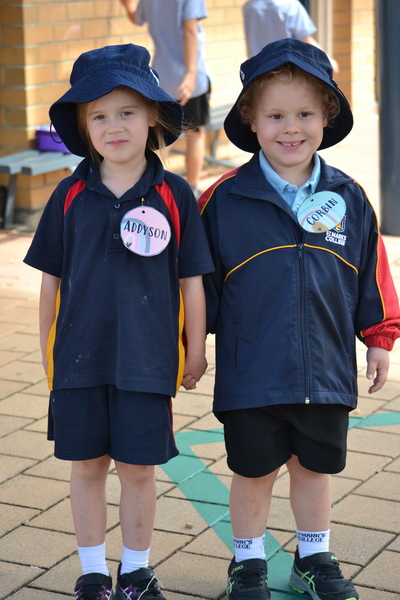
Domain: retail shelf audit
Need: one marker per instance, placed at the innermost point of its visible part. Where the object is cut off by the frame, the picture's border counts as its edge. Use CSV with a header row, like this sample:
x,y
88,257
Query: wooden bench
x,y
30,162
34,162
215,125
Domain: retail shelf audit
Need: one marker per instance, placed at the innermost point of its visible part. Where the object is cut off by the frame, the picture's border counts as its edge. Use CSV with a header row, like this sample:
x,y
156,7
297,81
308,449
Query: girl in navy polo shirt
x,y
122,251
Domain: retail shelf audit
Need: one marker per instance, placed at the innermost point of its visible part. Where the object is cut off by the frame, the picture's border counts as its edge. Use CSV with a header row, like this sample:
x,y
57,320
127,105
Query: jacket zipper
x,y
300,249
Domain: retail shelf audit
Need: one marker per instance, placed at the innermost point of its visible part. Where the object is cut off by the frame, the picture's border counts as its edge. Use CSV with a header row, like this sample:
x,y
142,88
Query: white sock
x,y
132,560
93,559
312,542
249,548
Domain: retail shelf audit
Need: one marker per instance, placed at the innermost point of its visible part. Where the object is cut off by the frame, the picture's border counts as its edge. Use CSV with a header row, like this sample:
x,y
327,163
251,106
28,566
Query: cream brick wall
x,y
40,39
354,47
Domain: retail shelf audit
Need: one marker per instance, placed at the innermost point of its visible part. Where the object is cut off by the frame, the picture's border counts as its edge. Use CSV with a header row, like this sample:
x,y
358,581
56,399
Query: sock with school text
x,y
132,560
249,548
93,559
312,542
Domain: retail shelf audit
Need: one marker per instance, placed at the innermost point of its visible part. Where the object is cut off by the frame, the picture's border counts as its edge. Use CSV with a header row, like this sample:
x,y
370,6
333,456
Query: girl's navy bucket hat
x,y
310,59
97,73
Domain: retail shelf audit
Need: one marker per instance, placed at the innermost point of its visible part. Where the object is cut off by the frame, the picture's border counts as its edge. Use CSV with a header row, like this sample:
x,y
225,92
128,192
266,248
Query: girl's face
x,y
289,118
118,126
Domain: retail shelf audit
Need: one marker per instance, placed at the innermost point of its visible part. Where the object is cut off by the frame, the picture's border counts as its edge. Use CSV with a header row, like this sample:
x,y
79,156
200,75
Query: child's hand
x,y
194,370
184,92
377,362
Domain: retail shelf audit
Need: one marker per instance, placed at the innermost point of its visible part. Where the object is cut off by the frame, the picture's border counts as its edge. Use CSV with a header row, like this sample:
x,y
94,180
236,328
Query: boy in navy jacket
x,y
300,271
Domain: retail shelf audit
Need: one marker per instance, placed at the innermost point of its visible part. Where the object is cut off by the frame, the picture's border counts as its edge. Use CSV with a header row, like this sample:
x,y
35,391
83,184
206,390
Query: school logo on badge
x,y
335,235
340,227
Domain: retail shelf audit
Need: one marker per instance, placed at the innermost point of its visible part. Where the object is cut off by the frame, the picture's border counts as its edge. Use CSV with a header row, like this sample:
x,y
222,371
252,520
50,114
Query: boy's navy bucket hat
x,y
310,59
97,73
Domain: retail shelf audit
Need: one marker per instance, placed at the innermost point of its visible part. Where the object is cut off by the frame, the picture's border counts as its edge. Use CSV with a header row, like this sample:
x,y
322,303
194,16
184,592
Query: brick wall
x,y
39,41
354,40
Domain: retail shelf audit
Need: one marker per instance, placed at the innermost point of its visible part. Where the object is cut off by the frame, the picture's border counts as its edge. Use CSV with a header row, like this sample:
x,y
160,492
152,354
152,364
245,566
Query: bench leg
x,y
10,201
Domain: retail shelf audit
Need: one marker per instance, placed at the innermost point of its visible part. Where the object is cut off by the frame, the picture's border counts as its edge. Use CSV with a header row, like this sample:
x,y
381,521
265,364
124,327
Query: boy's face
x,y
288,119
118,125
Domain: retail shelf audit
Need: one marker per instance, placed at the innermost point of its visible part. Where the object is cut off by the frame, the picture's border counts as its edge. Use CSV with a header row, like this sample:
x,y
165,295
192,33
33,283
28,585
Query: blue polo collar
x,y
292,195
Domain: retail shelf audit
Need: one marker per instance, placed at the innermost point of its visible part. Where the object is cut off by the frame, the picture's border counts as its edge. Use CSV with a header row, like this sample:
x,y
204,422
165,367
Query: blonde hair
x,y
156,137
285,74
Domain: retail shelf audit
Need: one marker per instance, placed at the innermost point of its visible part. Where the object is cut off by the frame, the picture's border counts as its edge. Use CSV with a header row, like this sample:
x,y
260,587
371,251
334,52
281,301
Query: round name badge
x,y
321,211
145,231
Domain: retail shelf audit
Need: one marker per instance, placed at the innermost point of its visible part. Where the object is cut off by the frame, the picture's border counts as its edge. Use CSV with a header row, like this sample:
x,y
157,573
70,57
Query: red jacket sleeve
x,y
384,334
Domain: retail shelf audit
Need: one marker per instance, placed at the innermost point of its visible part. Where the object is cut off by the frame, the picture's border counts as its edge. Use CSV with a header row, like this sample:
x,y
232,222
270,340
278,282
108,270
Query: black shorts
x,y
131,427
196,112
260,440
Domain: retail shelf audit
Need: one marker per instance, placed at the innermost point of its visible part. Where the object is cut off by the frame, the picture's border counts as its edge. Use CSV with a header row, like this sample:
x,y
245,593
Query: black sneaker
x,y
93,586
137,584
247,580
320,576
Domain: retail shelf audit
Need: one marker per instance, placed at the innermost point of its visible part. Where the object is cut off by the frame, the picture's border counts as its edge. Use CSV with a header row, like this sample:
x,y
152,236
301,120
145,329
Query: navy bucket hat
x,y
310,59
97,73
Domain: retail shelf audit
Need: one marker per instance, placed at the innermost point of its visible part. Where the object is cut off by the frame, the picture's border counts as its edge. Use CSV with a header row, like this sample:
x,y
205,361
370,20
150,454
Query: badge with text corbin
x,y
321,211
145,231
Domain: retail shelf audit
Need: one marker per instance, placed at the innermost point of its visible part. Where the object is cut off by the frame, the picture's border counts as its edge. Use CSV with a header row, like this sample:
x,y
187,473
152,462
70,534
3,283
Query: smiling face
x,y
288,118
118,126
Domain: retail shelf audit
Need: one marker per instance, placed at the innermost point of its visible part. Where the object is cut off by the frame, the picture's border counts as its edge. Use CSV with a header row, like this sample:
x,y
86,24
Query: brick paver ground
x,y
191,548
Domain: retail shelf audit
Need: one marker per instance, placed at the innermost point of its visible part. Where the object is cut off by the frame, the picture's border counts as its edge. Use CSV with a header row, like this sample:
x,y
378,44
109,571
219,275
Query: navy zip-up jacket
x,y
286,304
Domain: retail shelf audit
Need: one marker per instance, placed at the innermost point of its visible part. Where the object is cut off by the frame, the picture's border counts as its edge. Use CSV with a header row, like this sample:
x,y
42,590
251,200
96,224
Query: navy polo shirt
x,y
119,313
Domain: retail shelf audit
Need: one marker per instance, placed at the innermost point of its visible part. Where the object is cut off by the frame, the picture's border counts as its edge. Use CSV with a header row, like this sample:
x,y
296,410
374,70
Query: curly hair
x,y
285,74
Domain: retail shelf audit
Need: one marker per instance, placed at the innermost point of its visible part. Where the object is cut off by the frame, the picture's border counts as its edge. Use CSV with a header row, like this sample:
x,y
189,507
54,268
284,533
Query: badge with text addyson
x,y
145,231
321,211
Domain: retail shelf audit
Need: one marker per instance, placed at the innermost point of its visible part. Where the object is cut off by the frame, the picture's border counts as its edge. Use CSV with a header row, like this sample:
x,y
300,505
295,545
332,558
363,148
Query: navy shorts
x,y
260,440
130,427
196,112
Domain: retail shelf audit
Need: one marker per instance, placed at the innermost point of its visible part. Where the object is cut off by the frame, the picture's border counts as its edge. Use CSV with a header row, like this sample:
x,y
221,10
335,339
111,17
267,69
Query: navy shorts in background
x,y
260,440
131,427
196,112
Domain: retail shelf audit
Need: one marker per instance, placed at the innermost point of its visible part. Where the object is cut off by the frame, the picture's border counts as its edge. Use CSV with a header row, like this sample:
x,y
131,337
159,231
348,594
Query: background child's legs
x,y
195,149
250,502
137,504
195,117
88,500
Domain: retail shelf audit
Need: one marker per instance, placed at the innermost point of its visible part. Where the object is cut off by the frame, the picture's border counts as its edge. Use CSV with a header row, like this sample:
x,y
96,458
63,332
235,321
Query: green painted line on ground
x,y
187,467
376,420
199,489
279,567
381,419
210,496
215,515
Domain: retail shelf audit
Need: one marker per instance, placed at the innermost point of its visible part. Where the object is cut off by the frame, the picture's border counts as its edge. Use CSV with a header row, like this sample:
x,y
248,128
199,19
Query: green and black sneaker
x,y
247,580
320,576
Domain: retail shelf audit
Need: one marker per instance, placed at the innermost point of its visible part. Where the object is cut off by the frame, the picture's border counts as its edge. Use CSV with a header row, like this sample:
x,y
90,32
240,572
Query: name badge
x,y
321,211
145,231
